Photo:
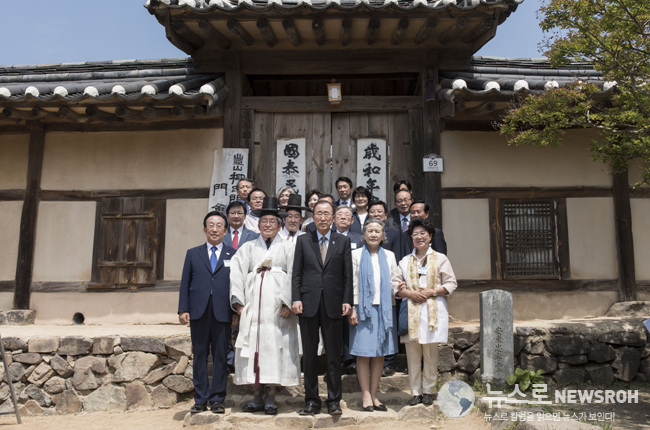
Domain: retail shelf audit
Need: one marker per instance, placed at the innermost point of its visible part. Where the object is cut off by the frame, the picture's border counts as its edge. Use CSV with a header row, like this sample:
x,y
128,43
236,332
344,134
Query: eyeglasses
x,y
402,201
268,222
419,234
257,199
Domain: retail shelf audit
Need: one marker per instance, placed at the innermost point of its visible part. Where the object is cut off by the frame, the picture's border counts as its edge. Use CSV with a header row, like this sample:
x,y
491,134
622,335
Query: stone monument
x,y
497,341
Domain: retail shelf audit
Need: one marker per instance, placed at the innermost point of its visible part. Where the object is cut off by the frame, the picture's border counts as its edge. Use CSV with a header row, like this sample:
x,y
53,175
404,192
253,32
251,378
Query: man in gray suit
x,y
237,234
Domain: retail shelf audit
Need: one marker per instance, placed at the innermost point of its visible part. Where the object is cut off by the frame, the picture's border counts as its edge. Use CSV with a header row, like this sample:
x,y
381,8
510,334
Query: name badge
x,y
226,263
422,270
353,245
276,269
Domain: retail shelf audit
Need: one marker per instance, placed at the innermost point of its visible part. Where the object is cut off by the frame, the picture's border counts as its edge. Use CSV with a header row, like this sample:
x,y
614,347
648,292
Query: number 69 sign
x,y
431,163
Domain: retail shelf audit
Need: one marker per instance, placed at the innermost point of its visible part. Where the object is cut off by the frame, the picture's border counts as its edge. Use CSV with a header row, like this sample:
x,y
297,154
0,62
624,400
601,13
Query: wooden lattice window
x,y
128,242
529,239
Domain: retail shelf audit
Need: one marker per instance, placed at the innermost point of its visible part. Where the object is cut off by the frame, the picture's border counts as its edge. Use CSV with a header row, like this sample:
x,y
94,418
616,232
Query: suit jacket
x,y
438,243
198,280
246,235
395,242
396,218
311,276
356,240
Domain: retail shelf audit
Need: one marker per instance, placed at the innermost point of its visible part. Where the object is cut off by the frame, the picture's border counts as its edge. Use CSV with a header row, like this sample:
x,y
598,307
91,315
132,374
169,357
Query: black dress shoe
x,y
270,409
427,399
334,409
198,408
368,408
415,400
217,408
388,371
310,409
381,407
252,407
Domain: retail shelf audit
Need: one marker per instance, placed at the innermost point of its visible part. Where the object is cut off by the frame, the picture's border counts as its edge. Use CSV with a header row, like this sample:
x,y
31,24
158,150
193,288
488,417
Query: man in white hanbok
x,y
267,347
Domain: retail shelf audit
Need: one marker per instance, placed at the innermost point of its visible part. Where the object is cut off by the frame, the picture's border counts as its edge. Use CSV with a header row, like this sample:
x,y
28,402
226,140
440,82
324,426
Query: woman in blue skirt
x,y
373,328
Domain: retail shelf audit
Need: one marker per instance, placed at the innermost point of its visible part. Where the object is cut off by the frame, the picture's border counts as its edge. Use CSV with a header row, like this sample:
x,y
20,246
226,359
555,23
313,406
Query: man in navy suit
x,y
343,222
321,294
204,303
237,234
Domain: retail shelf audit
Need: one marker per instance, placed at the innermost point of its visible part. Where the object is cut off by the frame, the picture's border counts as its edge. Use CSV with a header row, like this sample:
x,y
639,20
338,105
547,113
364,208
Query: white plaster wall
x,y
592,240
641,233
13,161
484,159
6,301
64,241
106,308
130,160
184,230
467,232
10,213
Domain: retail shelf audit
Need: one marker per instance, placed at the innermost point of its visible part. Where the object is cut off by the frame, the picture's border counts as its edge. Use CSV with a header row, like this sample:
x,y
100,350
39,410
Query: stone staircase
x,y
394,392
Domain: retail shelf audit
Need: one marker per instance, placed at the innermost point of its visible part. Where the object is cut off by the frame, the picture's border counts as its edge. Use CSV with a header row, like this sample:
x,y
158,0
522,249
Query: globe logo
x,y
455,399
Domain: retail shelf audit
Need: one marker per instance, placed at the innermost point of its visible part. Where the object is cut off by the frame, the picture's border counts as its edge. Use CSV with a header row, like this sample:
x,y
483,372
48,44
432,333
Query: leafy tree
x,y
614,36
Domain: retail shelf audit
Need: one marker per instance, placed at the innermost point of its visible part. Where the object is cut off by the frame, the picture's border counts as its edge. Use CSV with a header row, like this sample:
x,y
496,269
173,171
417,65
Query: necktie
x,y
345,203
323,248
235,240
213,258
405,224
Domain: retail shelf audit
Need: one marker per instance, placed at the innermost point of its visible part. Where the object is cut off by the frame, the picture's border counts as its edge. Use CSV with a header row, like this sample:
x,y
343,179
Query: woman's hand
x,y
285,311
429,292
353,319
417,296
238,308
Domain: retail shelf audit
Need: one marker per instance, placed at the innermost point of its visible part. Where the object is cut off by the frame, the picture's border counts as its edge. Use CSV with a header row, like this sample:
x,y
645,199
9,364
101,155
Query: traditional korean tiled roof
x,y
319,5
487,77
170,80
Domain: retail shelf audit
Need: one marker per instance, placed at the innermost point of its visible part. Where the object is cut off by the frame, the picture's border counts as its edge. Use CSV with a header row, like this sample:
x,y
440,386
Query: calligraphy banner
x,y
371,166
230,165
290,165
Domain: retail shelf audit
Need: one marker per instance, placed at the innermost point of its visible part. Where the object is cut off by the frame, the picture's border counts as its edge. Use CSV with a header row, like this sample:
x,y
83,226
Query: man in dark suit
x,y
402,217
344,189
343,223
419,209
321,289
204,303
401,185
237,234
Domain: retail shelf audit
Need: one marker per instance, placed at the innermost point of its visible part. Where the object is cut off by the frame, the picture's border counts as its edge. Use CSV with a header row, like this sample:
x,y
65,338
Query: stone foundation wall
x,y
73,373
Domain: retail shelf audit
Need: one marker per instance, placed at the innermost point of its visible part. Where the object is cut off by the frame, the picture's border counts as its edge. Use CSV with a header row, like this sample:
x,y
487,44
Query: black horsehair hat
x,y
294,203
269,207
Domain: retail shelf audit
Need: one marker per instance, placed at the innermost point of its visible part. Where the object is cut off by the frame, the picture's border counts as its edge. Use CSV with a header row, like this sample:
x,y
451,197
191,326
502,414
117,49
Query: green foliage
x,y
614,36
525,378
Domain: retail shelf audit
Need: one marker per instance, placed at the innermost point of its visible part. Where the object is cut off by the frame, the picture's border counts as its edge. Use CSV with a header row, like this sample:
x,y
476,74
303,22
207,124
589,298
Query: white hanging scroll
x,y
290,165
230,165
371,166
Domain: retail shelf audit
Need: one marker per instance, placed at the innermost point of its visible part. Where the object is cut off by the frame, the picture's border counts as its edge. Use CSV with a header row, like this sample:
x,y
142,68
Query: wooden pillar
x,y
431,142
231,115
624,241
29,216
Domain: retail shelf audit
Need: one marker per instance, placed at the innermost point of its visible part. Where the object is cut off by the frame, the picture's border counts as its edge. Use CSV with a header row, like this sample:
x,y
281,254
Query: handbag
x,y
403,318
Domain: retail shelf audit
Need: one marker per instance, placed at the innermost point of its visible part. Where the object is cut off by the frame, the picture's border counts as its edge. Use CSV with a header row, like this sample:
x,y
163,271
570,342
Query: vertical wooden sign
x,y
230,165
290,165
371,166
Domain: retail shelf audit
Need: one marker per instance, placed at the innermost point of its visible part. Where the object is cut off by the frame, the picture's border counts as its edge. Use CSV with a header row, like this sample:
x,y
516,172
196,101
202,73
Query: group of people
x,y
352,279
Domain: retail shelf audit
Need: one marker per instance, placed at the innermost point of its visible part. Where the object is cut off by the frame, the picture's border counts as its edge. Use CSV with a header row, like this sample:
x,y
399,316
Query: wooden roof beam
x,y
372,34
182,112
454,31
66,113
346,31
127,113
213,34
424,31
485,26
96,114
292,31
398,34
239,31
267,32
319,31
188,35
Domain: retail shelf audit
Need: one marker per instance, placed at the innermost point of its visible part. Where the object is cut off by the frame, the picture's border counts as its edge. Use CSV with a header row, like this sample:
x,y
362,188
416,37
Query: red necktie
x,y
235,240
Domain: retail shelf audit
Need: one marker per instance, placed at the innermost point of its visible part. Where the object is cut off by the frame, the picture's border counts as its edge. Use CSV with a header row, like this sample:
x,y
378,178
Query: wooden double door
x,y
331,151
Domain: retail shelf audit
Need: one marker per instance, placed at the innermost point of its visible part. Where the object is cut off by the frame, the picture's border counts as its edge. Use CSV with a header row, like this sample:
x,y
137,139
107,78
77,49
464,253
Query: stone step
x,y
349,384
288,416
